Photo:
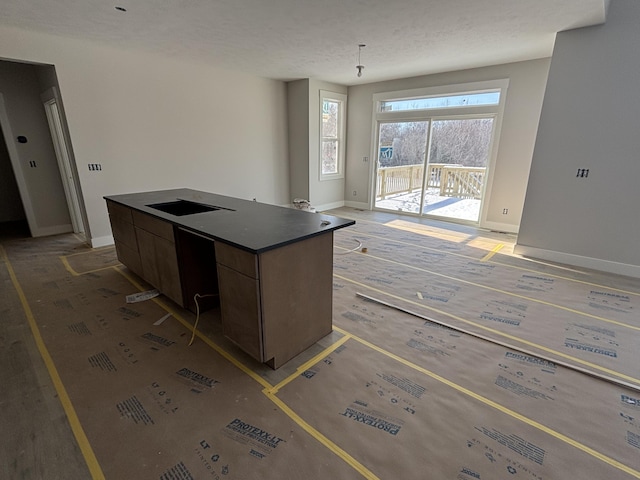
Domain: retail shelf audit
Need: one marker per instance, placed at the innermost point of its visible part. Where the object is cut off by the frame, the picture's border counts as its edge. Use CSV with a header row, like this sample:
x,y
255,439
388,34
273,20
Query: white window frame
x,y
341,99
448,112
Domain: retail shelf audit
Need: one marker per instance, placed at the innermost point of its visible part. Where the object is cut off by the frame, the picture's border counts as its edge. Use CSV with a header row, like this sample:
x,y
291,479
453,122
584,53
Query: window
x,y
332,133
441,101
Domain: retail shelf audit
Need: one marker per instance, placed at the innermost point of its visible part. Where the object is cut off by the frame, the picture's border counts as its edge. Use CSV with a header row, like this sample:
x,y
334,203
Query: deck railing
x,y
452,180
403,179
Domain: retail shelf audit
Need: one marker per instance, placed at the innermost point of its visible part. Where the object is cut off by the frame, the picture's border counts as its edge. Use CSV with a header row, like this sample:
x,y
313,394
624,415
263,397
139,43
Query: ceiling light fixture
x,y
360,67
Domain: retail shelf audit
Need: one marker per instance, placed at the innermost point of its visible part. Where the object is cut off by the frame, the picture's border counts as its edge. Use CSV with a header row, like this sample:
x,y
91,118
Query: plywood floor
x,y
94,387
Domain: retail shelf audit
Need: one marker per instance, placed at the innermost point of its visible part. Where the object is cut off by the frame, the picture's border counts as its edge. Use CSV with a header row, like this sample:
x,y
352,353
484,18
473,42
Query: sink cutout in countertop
x,y
180,208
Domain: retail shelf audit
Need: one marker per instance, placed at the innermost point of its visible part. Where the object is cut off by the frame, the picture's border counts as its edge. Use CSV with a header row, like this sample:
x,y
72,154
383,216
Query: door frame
x,y
413,115
64,156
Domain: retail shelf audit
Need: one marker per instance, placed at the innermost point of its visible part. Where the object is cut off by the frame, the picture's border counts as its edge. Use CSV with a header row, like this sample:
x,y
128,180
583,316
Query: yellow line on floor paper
x,y
497,332
269,390
583,282
495,250
72,416
497,406
70,269
504,292
305,366
201,336
585,371
90,250
365,472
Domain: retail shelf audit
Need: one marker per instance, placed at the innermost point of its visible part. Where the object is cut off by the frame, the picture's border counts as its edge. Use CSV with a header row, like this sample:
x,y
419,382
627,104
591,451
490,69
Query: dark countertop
x,y
252,226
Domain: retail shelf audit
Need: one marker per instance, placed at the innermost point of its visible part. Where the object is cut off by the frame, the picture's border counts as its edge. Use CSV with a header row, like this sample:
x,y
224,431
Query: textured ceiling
x,y
290,39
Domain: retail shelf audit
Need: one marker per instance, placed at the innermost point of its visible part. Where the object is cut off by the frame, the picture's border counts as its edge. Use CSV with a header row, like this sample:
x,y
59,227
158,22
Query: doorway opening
x,y
13,221
39,151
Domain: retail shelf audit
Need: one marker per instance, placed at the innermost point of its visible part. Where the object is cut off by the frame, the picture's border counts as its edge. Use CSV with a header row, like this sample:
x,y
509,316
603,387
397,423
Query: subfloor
x,y
479,364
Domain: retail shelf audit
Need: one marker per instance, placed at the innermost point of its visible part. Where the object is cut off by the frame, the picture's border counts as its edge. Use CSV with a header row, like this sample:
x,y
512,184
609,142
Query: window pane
x,y
329,157
464,100
330,118
461,142
403,143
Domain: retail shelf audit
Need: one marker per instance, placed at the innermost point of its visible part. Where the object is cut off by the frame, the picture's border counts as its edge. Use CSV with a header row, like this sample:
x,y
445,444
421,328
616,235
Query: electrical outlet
x,y
582,173
33,164
93,167
505,211
365,159
355,192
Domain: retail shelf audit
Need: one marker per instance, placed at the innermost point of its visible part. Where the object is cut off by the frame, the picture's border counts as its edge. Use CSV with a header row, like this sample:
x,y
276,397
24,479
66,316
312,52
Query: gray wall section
x,y
590,119
303,98
21,89
298,121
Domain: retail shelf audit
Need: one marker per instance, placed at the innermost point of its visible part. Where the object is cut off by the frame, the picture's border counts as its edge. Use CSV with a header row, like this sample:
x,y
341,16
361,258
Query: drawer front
x,y
158,227
236,259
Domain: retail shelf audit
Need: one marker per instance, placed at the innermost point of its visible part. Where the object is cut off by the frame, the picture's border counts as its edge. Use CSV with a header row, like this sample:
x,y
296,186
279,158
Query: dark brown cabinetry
x,y
272,267
277,303
147,246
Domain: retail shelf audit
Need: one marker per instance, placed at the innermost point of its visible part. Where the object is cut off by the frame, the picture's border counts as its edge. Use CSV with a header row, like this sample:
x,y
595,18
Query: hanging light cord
x,y
360,67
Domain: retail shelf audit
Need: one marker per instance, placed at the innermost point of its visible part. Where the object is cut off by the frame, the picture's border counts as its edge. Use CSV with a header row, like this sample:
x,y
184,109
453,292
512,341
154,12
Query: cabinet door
x,y
147,248
296,288
168,270
240,307
124,236
160,264
129,257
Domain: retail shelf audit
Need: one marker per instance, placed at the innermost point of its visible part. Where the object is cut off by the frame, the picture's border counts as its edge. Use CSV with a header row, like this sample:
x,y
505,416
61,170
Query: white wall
x,y
154,123
522,111
590,119
48,212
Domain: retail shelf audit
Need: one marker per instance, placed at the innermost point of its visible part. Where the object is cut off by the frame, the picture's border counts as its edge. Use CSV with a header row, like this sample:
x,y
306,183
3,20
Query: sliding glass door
x,y
434,147
435,167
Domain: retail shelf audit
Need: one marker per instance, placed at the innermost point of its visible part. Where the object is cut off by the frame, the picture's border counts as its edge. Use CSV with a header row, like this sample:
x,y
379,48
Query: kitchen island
x,y
271,266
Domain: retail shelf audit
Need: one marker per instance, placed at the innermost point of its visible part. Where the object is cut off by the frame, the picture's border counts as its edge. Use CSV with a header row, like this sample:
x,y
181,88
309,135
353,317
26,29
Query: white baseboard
x,y
54,230
360,205
578,260
500,227
101,241
328,206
